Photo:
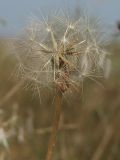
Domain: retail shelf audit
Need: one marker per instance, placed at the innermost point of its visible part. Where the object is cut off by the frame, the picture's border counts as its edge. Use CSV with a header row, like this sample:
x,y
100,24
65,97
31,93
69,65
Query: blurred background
x,y
89,126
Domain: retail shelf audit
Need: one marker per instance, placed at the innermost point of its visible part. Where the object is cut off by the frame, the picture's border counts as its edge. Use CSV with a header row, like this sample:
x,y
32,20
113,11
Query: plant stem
x,y
53,137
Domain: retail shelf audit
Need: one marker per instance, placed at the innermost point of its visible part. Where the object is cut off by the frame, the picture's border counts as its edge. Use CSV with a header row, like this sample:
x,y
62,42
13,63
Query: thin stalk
x,y
53,137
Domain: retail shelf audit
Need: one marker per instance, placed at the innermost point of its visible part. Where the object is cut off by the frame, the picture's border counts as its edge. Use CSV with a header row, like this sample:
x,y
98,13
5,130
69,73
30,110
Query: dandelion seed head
x,y
69,53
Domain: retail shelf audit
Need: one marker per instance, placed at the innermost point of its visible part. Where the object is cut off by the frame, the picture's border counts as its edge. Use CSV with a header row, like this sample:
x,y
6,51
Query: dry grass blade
x,y
103,144
65,127
11,93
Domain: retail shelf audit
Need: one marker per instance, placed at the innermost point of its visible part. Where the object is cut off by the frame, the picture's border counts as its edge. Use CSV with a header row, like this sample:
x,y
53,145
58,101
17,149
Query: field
x,y
89,125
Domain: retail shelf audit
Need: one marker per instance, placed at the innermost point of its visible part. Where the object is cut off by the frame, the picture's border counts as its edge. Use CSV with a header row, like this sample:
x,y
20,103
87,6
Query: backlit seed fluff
x,y
61,51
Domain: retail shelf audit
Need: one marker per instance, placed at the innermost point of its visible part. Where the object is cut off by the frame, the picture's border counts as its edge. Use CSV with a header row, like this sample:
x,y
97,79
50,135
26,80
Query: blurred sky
x,y
16,12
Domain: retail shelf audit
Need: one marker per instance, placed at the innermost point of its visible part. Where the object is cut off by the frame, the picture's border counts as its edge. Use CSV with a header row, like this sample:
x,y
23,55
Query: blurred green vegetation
x,y
90,118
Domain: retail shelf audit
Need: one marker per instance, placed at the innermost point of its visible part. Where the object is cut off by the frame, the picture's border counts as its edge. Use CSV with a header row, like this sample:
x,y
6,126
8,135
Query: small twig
x,y
11,93
52,142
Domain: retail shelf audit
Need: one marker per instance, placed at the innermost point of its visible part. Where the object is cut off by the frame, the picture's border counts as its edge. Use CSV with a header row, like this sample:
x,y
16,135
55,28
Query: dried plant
x,y
61,51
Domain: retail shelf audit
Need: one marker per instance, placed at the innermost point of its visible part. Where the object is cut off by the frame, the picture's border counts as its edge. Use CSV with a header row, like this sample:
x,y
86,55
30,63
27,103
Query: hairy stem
x,y
53,137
